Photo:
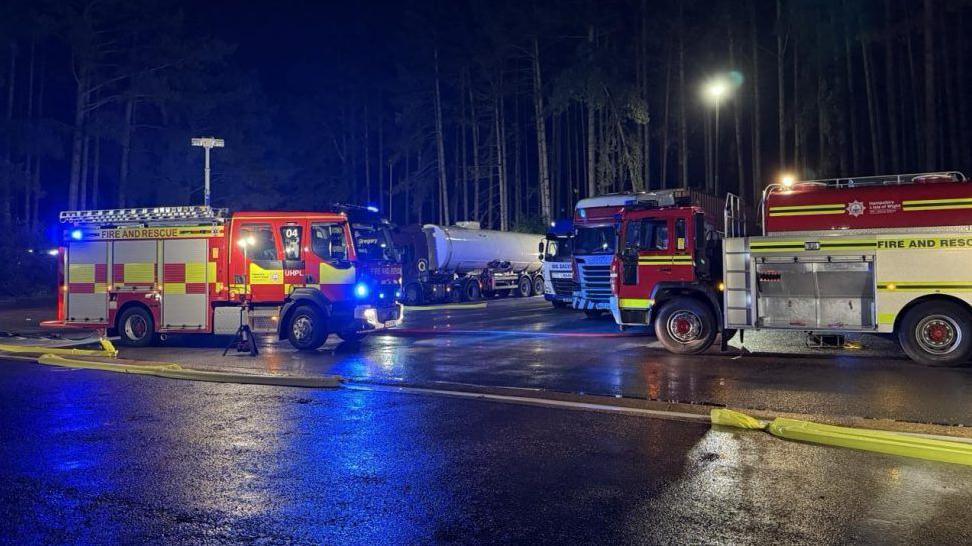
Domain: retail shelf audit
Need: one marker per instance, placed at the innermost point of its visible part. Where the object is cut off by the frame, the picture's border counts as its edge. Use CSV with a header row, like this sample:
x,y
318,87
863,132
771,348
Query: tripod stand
x,y
244,340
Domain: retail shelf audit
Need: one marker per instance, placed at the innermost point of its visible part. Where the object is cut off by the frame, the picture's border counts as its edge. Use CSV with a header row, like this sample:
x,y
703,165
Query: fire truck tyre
x,y
307,328
524,287
537,285
937,333
593,313
136,327
351,336
471,290
685,326
560,304
413,294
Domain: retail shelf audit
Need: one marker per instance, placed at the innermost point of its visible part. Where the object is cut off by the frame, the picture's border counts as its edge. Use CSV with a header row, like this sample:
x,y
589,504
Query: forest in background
x,y
435,111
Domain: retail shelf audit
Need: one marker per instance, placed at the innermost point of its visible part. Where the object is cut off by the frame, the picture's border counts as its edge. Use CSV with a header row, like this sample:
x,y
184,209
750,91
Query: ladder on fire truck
x,y
737,283
146,216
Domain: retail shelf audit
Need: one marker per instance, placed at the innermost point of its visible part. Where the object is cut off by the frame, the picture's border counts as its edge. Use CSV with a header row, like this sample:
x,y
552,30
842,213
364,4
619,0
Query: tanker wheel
x,y
471,290
937,333
524,287
307,329
537,285
136,327
412,294
685,326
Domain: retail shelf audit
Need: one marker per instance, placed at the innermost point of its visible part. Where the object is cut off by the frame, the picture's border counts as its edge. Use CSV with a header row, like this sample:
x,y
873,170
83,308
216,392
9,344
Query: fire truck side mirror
x,y
540,248
699,232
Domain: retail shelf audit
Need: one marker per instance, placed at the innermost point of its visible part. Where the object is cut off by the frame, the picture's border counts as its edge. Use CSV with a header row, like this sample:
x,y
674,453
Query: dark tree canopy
x,y
503,112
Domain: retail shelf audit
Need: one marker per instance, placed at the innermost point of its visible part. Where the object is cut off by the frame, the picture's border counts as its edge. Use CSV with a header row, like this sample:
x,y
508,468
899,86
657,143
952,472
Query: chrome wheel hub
x,y
302,327
684,326
938,334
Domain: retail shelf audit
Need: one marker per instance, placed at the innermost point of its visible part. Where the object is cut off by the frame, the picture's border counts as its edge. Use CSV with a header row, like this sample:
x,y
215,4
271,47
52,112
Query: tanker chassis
x,y
465,263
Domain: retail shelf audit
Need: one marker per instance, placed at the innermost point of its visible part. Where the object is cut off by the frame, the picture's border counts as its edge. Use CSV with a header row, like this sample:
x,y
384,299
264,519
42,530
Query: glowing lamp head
x,y
372,208
787,181
52,252
361,290
76,234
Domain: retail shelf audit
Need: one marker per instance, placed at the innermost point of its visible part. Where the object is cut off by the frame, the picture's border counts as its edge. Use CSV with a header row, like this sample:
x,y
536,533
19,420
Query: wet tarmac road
x,y
527,344
92,457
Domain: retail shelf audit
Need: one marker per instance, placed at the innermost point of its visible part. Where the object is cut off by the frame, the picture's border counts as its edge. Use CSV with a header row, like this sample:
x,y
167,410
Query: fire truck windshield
x,y
594,240
373,242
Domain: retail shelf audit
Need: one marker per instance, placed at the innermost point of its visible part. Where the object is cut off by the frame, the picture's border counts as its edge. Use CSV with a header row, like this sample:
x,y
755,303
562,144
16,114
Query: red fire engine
x,y
143,273
886,255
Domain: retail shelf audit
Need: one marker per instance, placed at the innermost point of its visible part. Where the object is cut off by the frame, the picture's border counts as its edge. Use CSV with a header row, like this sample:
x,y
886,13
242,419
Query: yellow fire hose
x,y
879,441
105,359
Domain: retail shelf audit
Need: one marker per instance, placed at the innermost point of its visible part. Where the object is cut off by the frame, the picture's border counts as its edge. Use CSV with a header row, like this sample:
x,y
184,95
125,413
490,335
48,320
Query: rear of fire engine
x,y
887,255
146,273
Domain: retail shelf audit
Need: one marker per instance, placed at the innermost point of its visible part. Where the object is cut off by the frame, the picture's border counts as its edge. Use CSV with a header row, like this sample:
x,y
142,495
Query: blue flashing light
x,y
361,290
76,234
372,208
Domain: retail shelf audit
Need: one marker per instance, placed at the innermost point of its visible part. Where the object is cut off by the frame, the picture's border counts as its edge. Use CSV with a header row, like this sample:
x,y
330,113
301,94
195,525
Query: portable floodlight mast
x,y
208,143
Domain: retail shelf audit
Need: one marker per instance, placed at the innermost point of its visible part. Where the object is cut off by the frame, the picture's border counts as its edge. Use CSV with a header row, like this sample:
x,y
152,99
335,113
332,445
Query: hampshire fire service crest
x,y
855,208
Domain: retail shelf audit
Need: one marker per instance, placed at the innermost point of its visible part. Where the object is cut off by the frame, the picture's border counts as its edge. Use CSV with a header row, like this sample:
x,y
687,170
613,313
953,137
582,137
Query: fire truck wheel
x,y
471,291
524,287
560,304
412,294
307,328
136,327
537,285
593,313
937,333
685,326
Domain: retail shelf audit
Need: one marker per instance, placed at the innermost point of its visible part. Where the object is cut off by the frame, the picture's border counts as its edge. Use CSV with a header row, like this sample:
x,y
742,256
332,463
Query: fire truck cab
x,y
668,261
144,273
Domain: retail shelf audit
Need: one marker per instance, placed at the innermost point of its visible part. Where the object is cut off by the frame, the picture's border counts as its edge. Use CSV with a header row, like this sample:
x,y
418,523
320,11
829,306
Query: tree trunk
x,y
592,182
736,107
930,134
464,150
780,92
852,105
665,116
6,191
543,173
475,155
500,163
440,147
877,164
950,126
96,174
126,152
367,154
757,120
85,152
682,121
891,87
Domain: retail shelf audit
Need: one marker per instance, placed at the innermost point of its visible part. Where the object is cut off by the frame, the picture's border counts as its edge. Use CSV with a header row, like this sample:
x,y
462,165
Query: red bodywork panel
x,y
818,208
673,263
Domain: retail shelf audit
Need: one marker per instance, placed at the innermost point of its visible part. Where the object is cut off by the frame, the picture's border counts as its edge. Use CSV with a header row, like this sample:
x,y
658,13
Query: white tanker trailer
x,y
465,263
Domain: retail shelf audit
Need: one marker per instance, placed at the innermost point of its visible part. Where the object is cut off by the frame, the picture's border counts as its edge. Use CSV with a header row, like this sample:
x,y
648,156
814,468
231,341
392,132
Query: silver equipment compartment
x,y
815,292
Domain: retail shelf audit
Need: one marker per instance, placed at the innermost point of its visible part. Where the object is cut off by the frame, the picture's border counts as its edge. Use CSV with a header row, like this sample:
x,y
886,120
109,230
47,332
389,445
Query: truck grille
x,y
595,282
563,287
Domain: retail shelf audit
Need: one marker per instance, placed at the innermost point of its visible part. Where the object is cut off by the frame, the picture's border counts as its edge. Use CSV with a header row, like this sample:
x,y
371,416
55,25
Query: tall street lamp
x,y
715,91
207,143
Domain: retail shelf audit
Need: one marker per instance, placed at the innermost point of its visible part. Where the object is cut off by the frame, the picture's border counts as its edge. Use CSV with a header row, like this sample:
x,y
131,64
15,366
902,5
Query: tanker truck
x,y
466,263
